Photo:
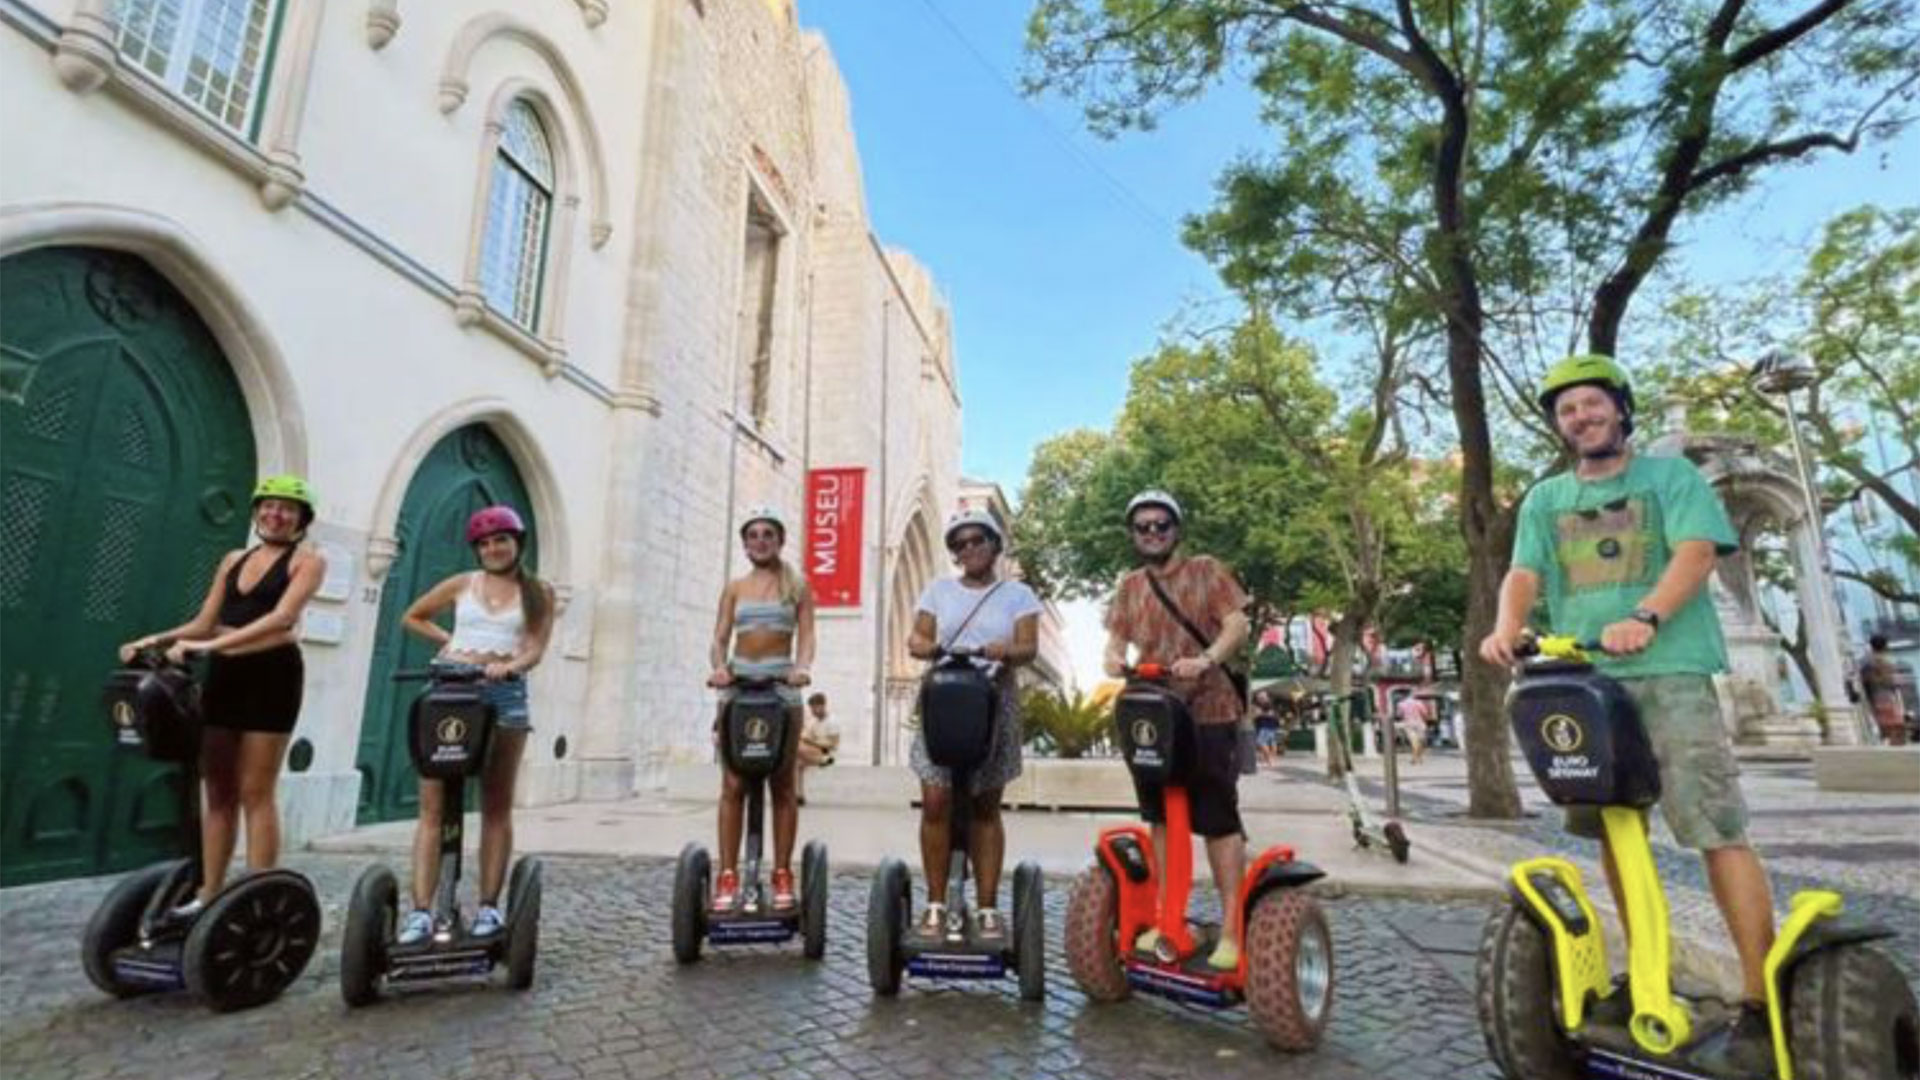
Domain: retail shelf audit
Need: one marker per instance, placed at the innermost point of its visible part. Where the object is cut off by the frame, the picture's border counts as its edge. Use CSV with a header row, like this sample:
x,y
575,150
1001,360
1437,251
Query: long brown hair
x,y
536,606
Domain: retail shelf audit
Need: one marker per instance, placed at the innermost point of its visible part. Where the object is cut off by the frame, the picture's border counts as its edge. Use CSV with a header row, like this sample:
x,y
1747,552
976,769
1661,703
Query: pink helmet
x,y
489,520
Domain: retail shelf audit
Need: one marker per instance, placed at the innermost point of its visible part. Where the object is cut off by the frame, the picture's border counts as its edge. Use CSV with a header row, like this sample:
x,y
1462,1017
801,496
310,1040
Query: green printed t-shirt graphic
x,y
1600,546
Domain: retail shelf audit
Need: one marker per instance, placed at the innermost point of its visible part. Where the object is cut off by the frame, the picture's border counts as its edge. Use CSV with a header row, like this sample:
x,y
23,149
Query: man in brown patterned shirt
x,y
1210,598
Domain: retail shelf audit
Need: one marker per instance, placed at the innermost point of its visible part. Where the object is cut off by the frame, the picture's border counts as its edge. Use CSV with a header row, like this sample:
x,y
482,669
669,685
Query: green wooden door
x,y
463,472
126,461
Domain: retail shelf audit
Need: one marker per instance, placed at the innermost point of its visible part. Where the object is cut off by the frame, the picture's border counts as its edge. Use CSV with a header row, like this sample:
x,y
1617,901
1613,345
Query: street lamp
x,y
1777,373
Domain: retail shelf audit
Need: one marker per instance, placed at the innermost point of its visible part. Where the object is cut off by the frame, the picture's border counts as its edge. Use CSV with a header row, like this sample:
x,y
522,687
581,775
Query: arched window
x,y
211,52
519,208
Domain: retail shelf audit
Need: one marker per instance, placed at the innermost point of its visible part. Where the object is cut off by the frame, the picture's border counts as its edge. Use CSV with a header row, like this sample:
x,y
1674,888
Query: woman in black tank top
x,y
249,628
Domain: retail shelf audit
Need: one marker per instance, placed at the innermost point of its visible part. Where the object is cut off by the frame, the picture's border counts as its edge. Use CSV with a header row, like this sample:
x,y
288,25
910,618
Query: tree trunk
x,y
1346,635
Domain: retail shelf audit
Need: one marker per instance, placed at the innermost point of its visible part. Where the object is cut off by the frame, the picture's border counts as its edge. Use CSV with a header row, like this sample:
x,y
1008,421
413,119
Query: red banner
x,y
834,501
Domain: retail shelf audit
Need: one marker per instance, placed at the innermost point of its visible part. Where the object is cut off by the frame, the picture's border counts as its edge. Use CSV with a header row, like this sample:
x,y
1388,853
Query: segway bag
x,y
450,730
1583,737
1156,733
958,707
754,734
154,710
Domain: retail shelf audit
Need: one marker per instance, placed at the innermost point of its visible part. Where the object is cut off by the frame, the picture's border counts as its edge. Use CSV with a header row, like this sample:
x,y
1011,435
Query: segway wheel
x,y
116,922
1397,841
1852,1014
371,913
1289,969
691,881
813,899
1030,930
889,906
1093,931
1513,975
252,941
523,921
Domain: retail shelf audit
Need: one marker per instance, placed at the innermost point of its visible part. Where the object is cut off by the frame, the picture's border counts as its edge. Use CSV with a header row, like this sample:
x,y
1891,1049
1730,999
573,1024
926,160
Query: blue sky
x,y
1059,252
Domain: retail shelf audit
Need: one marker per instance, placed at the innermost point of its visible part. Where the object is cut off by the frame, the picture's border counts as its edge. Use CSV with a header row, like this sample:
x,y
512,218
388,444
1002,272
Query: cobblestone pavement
x,y
610,1002
1864,845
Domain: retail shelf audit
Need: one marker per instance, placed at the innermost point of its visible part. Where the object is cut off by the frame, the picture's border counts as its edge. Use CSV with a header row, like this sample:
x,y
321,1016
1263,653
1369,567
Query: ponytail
x,y
790,583
535,605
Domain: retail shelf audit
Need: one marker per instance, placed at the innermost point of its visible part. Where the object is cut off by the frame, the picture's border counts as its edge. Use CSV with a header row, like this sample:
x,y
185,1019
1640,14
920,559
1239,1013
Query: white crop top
x,y
477,630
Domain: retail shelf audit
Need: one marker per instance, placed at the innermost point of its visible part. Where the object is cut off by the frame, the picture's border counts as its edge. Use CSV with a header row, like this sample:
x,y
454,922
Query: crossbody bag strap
x,y
978,604
1174,610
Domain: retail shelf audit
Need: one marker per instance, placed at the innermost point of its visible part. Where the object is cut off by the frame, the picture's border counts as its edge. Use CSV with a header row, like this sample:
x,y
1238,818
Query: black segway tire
x,y
1514,995
523,921
1397,841
252,941
1289,969
1030,930
813,899
1851,1014
116,923
372,912
1092,935
888,909
690,890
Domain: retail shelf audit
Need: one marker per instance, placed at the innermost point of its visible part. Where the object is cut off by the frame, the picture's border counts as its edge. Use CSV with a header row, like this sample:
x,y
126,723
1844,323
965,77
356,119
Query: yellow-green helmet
x,y
1588,369
291,488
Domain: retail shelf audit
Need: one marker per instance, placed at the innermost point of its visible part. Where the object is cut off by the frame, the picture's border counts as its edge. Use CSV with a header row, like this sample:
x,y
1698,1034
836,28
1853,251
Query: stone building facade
x,y
607,262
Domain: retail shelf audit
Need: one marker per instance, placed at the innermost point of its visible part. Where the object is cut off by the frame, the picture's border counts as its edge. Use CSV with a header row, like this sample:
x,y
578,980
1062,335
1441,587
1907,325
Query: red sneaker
x,y
726,892
783,897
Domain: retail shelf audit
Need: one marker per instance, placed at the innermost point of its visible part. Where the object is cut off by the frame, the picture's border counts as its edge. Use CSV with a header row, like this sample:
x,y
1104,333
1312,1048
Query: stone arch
x,y
273,402
383,19
549,509
454,87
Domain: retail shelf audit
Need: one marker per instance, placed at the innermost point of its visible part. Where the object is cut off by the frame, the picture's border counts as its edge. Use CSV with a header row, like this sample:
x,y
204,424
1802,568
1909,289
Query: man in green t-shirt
x,y
1623,546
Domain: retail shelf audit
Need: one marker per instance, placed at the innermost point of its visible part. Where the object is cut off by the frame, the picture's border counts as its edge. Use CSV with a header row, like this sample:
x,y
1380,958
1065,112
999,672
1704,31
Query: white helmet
x,y
764,513
1154,497
979,519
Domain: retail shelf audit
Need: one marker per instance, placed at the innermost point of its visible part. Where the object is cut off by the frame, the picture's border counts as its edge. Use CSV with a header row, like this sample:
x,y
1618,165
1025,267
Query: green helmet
x,y
291,488
1588,369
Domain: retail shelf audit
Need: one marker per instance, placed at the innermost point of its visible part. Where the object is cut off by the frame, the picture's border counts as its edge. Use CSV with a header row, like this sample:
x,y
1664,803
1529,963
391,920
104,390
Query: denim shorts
x,y
1699,779
509,700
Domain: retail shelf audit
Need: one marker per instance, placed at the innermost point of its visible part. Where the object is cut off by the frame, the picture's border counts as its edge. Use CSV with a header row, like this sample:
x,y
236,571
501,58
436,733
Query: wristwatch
x,y
1646,615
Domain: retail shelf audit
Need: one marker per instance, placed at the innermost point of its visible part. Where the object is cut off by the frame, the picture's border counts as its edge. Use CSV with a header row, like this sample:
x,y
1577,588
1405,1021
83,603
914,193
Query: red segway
x,y
1285,975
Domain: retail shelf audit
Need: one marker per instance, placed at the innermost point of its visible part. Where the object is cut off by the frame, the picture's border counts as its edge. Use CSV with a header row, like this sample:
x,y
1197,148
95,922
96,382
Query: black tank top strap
x,y
240,608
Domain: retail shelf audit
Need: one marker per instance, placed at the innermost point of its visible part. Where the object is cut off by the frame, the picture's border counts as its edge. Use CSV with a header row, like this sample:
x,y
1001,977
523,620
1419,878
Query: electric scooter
x,y
1285,975
1550,1010
959,706
252,939
753,738
1390,836
450,732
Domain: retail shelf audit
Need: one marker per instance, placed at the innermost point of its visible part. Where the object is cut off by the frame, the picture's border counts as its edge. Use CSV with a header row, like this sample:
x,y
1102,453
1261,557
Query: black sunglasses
x,y
1160,527
965,542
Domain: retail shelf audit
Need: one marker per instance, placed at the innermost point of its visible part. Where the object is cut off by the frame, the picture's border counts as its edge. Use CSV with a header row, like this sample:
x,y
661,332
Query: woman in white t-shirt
x,y
1001,619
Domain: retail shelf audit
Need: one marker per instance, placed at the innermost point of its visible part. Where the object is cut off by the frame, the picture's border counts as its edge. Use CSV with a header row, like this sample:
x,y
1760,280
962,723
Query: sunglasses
x,y
1160,527
966,542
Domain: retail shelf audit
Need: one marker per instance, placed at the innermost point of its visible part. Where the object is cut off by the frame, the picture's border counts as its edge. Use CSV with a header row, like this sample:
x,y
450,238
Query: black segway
x,y
247,944
753,738
959,709
450,731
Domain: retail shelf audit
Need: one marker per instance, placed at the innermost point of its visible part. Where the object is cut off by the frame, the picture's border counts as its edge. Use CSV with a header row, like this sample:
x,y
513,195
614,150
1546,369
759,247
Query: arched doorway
x,y
467,469
129,458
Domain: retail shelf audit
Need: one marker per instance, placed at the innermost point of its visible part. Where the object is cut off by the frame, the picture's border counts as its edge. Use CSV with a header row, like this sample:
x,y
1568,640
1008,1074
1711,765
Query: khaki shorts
x,y
1699,780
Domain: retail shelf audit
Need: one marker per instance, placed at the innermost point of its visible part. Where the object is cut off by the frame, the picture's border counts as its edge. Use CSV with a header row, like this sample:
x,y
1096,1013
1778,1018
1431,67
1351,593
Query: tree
x,y
1853,313
1062,726
1521,164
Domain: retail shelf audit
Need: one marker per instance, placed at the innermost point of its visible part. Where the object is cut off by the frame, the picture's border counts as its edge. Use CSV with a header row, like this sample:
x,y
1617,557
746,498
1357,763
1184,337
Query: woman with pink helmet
x,y
502,620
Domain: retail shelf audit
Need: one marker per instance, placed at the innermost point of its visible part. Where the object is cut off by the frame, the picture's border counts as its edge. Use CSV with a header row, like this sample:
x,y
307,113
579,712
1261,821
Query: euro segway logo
x,y
124,723
1145,733
758,730
1561,733
450,729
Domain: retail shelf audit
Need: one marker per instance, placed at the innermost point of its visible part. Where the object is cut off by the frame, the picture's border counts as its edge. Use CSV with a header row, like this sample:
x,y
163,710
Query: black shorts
x,y
1213,786
255,692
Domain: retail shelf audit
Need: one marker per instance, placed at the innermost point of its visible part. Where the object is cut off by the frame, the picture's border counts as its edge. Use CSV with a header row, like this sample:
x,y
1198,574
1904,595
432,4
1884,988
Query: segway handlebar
x,y
1150,671
1557,647
445,671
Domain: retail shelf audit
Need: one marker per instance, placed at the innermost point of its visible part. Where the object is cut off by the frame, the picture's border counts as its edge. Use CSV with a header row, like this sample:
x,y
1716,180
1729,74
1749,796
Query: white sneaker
x,y
416,929
488,921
